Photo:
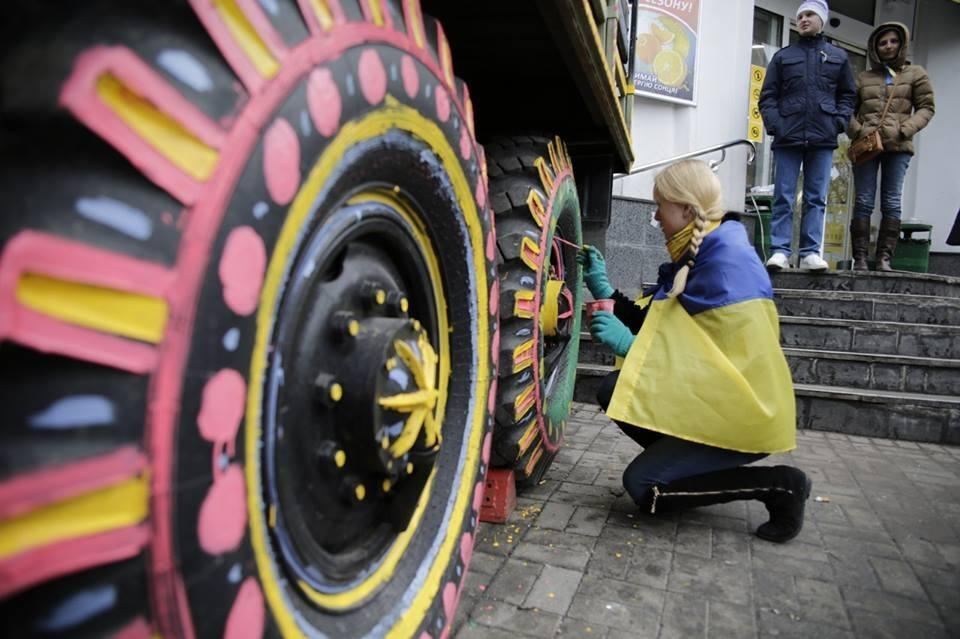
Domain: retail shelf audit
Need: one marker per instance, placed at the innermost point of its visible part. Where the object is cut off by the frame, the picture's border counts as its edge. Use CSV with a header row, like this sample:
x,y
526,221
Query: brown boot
x,y
860,239
887,241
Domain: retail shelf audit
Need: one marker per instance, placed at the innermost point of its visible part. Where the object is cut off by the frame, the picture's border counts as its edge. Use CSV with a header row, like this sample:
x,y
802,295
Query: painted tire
x,y
534,198
250,387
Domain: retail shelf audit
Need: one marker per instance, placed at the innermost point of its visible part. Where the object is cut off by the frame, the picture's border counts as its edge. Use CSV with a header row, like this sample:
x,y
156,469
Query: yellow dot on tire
x,y
340,459
353,328
409,468
386,485
360,491
385,442
381,296
404,304
336,392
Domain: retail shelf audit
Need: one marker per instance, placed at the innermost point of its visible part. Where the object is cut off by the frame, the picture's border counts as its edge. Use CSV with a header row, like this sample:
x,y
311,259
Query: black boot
x,y
887,241
860,239
782,489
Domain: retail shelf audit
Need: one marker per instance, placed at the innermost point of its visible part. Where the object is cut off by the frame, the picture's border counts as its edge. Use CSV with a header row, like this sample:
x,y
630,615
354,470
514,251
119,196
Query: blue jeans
x,y
665,458
893,168
816,165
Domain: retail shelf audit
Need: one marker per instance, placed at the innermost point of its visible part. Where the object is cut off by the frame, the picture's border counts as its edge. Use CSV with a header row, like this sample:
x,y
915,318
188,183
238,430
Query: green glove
x,y
611,332
595,272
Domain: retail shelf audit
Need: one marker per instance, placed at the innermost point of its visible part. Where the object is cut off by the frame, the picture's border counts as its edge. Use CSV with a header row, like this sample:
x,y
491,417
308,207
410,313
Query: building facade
x,y
735,36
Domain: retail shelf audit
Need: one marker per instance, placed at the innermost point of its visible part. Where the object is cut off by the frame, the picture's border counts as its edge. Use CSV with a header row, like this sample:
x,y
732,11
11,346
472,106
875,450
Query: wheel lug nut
x,y
397,303
328,390
331,456
345,325
353,491
374,294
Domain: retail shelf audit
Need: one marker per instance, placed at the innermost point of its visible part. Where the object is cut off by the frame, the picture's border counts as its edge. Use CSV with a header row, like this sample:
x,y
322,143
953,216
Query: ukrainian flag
x,y
707,366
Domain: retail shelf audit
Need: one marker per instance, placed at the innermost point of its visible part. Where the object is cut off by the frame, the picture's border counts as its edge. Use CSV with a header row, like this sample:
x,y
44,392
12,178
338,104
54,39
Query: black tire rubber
x,y
81,395
528,440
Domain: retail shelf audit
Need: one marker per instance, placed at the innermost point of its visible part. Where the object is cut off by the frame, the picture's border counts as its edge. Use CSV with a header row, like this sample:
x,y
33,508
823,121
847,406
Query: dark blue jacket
x,y
808,95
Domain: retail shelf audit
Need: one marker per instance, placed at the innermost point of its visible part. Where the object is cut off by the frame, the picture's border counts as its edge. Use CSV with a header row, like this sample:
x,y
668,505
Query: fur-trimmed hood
x,y
901,58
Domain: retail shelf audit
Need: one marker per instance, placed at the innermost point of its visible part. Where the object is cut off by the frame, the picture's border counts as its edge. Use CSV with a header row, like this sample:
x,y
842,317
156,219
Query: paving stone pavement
x,y
879,555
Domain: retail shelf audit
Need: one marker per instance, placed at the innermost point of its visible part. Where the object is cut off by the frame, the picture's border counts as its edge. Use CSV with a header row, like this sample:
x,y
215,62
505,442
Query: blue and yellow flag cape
x,y
707,366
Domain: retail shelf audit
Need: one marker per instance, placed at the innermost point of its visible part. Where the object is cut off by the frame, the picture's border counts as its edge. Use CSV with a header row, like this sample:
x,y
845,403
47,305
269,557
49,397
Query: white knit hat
x,y
819,7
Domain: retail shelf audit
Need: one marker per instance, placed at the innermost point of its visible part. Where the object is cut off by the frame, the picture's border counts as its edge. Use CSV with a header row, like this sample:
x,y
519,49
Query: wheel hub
x,y
388,385
557,309
351,419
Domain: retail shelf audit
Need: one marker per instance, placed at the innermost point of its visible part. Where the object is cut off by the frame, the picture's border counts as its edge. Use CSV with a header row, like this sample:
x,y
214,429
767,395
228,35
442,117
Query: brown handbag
x,y
869,146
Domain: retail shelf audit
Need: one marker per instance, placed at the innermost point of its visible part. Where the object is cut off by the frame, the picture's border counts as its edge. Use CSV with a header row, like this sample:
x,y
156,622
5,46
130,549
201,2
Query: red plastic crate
x,y
499,497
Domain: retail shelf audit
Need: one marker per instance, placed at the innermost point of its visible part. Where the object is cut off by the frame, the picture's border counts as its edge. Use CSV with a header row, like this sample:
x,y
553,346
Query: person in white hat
x,y
807,99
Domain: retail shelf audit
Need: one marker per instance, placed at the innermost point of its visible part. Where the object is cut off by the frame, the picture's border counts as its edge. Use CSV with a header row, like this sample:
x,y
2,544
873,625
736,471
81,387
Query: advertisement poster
x,y
666,58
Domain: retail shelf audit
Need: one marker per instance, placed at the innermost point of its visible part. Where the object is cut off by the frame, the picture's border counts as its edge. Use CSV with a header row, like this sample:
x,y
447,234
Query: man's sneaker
x,y
778,262
813,262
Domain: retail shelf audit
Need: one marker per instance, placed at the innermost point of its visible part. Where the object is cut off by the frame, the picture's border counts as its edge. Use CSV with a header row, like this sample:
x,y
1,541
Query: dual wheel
x,y
249,322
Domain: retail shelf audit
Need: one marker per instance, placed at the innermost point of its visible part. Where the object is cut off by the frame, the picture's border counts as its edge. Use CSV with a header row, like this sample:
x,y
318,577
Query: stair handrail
x,y
714,164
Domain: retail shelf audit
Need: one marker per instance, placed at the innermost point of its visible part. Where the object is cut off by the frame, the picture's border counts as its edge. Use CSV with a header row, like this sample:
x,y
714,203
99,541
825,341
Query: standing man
x,y
806,101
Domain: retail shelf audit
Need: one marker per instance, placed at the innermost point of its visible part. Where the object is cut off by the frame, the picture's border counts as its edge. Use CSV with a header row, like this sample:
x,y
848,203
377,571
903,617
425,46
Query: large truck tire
x,y
247,314
534,198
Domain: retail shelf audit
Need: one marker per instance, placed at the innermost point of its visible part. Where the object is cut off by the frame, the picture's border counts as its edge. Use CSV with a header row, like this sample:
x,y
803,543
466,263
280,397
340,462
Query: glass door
x,y
767,35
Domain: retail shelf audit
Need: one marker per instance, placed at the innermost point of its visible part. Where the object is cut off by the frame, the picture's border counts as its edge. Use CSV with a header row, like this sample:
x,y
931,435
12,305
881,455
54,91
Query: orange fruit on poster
x,y
665,36
670,68
647,47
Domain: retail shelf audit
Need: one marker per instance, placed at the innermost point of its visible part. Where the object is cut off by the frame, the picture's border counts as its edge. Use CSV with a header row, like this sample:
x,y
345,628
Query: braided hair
x,y
691,183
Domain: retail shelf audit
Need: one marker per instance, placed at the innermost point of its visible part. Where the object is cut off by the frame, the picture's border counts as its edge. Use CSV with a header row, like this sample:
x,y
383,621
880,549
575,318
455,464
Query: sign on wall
x,y
666,56
754,121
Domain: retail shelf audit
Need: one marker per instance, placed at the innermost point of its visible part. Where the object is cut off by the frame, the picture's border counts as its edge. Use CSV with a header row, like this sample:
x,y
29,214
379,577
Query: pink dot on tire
x,y
223,514
221,407
466,549
492,397
373,77
478,495
443,103
411,79
247,616
324,101
449,599
481,194
241,270
464,143
281,161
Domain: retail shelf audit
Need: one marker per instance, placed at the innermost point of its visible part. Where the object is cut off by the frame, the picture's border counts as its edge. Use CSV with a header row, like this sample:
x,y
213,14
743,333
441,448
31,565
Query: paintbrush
x,y
567,242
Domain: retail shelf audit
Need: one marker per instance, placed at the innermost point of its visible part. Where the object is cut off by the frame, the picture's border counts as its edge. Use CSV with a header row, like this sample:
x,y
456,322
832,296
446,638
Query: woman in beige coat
x,y
907,86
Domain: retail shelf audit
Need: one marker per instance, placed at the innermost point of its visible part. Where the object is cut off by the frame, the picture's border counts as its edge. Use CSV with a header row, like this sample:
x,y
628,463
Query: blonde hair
x,y
691,183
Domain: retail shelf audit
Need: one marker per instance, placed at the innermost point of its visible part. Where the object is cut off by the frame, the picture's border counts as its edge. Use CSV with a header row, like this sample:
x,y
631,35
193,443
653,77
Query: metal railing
x,y
714,164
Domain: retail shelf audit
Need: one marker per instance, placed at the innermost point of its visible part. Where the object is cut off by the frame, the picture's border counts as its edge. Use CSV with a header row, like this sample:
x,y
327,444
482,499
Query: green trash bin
x,y
761,228
912,254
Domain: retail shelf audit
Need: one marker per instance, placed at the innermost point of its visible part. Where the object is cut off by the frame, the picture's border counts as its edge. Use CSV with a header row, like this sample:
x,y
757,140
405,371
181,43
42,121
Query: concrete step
x,y
589,378
887,349
858,336
906,416
592,352
898,282
895,373
868,306
873,413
